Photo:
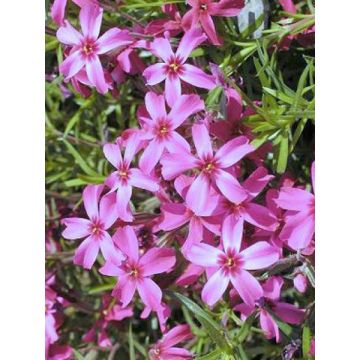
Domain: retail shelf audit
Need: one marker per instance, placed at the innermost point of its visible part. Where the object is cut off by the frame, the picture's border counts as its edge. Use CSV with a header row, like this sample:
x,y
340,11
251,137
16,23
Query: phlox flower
x,y
164,349
59,352
135,272
202,12
299,227
246,210
87,46
173,68
176,215
232,265
125,177
211,166
159,127
101,217
270,304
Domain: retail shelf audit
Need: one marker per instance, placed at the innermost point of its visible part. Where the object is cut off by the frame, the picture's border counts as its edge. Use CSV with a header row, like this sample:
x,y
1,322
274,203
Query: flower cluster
x,y
223,221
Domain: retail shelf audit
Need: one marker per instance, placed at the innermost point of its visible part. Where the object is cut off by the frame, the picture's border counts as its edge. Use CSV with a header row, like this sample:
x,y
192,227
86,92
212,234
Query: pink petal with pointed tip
x,y
125,238
175,164
247,286
230,187
72,65
259,256
161,47
294,199
196,77
86,253
209,28
143,181
151,156
204,255
269,326
198,194
110,269
202,141
155,74
76,228
91,195
96,75
215,288
68,35
109,251
157,260
90,20
232,232
112,39
289,313
124,290
191,39
260,216
174,216
150,293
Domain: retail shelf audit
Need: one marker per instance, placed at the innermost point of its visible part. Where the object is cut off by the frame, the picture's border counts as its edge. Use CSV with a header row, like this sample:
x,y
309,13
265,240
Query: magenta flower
x,y
211,167
232,265
202,12
246,210
164,349
299,227
124,178
174,69
270,303
101,217
135,272
176,215
160,127
87,46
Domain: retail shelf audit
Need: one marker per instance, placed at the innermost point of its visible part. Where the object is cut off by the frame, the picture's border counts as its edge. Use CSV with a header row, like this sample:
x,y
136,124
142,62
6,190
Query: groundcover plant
x,y
180,179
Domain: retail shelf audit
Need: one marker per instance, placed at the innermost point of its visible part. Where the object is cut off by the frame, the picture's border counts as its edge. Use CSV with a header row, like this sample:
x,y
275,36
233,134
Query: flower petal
x,y
232,232
72,65
209,28
112,39
96,75
174,216
109,251
215,288
195,76
143,181
151,156
259,256
176,143
204,255
172,89
202,141
113,154
256,182
198,194
230,187
58,11
176,335
68,35
175,164
247,286
150,293
155,105
269,326
233,151
107,209
110,269
289,313
86,253
191,39
124,290
90,20
161,47
91,195
155,73
76,228
123,196
260,216
294,199
157,260
125,238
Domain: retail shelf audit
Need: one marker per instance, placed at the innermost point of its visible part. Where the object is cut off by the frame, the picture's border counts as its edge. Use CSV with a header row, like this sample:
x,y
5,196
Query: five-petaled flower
x,y
87,46
174,68
134,273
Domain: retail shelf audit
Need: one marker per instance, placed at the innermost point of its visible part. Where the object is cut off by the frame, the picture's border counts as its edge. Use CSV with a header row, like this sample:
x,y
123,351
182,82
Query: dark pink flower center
x,y
133,270
208,165
162,129
174,66
230,262
97,228
88,47
124,173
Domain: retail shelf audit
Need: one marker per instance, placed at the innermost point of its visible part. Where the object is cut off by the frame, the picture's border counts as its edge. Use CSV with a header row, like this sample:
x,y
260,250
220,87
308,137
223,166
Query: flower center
x,y
88,47
123,174
174,66
203,7
96,227
134,272
163,130
230,262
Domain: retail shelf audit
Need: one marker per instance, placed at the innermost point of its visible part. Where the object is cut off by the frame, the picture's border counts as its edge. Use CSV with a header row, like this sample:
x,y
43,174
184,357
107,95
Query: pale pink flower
x,y
299,227
87,46
211,166
232,265
270,303
164,349
159,127
173,68
135,272
101,217
202,12
125,177
300,282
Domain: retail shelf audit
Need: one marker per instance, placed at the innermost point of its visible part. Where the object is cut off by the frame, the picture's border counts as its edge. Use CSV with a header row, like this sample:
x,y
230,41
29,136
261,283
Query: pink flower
x,y
288,6
300,218
203,10
271,301
87,46
300,283
134,273
232,265
211,167
164,349
125,178
58,8
174,69
247,210
176,215
101,217
160,127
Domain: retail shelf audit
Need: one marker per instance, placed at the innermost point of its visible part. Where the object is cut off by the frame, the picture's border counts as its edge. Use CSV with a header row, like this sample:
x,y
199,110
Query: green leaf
x,y
283,154
78,356
79,160
131,344
214,355
306,340
246,328
214,330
